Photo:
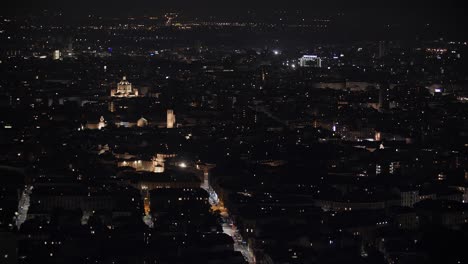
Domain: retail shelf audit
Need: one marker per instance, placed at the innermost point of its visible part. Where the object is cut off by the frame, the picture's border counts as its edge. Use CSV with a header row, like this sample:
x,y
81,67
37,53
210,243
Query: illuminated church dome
x,y
142,122
124,89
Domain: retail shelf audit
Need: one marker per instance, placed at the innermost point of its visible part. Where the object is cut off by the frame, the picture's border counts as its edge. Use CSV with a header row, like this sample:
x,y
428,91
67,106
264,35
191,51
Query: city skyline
x,y
251,132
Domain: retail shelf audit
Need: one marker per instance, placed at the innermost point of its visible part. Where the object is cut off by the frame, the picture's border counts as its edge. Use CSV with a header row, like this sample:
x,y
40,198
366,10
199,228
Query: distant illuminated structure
x,y
170,17
171,119
102,123
158,163
111,106
377,136
70,47
142,122
56,55
264,75
158,168
159,160
310,61
124,89
436,89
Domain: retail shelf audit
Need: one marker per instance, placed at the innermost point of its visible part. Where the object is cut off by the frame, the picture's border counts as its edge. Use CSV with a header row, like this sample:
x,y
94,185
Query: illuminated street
x,y
228,225
23,205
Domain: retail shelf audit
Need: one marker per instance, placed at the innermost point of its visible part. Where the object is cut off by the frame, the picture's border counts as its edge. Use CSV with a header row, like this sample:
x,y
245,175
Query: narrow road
x,y
228,225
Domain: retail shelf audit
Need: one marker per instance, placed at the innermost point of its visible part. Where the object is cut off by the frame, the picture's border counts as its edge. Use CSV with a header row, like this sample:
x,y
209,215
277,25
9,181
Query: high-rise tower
x,y
171,119
384,97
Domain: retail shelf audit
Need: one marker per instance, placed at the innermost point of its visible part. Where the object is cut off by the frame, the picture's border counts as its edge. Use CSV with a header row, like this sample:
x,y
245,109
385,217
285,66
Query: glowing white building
x,y
56,55
310,61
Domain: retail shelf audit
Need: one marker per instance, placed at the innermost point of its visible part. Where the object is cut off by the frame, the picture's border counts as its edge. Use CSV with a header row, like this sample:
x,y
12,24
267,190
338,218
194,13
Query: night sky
x,y
447,18
417,7
362,19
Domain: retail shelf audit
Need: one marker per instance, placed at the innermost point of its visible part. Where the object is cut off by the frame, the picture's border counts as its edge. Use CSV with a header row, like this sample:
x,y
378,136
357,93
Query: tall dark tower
x,y
384,97
382,49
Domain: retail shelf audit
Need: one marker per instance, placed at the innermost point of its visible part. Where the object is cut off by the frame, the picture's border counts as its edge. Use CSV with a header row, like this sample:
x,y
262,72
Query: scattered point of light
x,y
183,165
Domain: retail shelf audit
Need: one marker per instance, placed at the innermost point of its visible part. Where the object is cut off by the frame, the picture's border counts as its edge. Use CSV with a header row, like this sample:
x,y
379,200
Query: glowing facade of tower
x,y
111,106
171,119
